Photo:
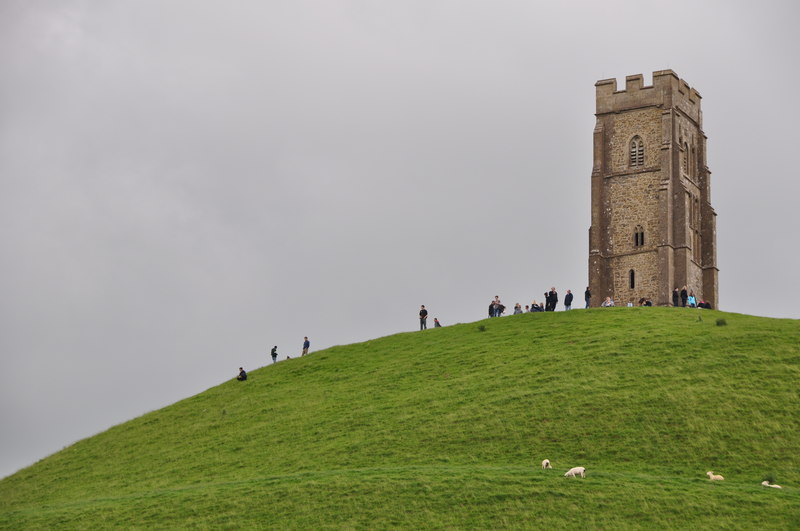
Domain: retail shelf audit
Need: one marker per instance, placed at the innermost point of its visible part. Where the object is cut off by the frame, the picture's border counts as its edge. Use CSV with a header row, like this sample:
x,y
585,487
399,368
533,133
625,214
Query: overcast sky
x,y
184,184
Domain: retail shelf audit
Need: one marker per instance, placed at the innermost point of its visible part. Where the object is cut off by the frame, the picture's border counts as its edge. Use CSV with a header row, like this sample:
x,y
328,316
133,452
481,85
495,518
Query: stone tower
x,y
653,227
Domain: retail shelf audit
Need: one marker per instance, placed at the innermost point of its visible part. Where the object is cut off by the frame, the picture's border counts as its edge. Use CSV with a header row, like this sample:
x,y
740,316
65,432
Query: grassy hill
x,y
446,429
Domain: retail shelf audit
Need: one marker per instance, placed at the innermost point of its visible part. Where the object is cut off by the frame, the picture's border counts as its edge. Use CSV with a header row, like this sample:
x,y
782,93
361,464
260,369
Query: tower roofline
x,y
667,90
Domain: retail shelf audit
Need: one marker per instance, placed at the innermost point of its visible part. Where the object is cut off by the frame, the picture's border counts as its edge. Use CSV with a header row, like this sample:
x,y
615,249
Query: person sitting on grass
x,y
242,375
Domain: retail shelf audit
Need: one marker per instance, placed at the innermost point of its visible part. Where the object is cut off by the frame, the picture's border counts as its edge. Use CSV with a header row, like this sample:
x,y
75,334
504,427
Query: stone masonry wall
x,y
645,266
634,202
644,122
695,280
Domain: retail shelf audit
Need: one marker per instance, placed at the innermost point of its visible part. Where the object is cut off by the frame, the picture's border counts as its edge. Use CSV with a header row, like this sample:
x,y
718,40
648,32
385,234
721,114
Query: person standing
x,y
423,318
568,300
306,344
587,295
553,299
274,353
675,296
692,300
497,306
684,296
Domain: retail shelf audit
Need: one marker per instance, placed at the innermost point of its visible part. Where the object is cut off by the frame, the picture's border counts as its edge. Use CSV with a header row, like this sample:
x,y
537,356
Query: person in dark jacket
x,y
423,318
274,353
675,296
568,300
587,296
684,296
497,307
242,375
553,299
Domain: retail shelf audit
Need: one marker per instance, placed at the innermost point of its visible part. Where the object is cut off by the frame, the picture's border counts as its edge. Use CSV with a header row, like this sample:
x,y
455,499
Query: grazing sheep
x,y
578,470
714,477
767,484
546,464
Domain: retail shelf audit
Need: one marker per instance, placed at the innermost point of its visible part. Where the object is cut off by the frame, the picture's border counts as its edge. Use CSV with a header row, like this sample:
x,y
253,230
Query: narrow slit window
x,y
686,158
632,276
638,236
696,212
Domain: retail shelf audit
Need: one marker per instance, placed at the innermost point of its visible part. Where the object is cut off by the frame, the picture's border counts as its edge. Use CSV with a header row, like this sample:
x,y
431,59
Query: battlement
x,y
666,91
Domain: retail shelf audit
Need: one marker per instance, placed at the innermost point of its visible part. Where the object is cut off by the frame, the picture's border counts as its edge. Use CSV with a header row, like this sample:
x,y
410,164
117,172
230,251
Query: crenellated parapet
x,y
667,91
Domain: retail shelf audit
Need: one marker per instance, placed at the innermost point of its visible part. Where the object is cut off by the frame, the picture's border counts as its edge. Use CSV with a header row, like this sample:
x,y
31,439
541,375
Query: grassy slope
x,y
446,429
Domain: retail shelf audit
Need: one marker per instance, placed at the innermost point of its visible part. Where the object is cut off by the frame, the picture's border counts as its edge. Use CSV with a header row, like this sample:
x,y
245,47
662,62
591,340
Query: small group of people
x,y
609,302
242,376
687,298
496,308
423,319
680,298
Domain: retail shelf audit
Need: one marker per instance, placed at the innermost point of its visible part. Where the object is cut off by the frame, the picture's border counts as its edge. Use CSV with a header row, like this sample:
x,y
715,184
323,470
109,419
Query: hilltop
x,y
446,429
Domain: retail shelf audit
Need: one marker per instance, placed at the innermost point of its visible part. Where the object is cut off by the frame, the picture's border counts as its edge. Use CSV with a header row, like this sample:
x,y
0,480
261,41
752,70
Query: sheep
x,y
767,484
714,477
546,464
578,470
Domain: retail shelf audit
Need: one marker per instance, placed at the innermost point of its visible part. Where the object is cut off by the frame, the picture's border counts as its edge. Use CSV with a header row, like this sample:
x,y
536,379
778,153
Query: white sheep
x,y
767,484
578,470
714,477
546,464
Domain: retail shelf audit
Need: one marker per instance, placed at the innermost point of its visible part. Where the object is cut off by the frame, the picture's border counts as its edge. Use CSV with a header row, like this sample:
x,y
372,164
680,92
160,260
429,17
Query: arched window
x,y
632,276
638,236
637,152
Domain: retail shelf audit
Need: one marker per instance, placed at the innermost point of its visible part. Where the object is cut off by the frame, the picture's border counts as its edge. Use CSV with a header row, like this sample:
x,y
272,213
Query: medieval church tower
x,y
653,227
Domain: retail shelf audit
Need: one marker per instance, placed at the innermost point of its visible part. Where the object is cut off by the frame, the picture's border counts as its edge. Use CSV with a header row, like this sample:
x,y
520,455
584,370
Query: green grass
x,y
445,429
